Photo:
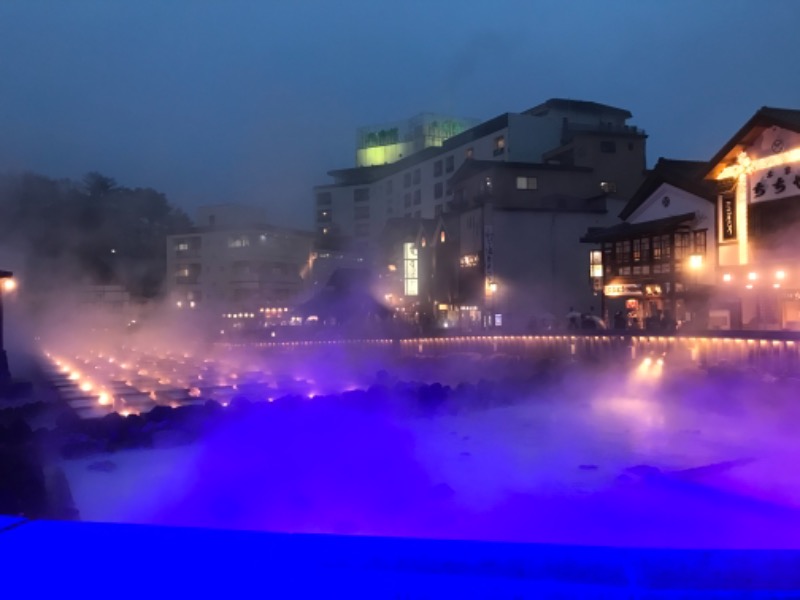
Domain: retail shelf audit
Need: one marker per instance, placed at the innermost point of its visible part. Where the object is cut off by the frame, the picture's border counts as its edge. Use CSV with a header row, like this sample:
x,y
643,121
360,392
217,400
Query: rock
x,y
171,438
81,447
104,466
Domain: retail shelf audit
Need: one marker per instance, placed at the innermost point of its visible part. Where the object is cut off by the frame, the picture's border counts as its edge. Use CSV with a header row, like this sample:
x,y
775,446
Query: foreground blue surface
x,y
40,558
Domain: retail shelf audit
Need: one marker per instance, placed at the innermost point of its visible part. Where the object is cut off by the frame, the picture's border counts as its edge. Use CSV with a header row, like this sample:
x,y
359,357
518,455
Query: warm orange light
x,y
9,284
780,275
727,277
752,276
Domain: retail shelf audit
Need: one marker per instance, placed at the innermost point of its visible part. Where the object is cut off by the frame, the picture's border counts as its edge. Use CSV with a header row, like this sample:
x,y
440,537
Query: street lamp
x,y
7,284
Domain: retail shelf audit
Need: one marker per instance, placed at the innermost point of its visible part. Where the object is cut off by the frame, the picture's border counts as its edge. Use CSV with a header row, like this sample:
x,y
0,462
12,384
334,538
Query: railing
x,y
776,352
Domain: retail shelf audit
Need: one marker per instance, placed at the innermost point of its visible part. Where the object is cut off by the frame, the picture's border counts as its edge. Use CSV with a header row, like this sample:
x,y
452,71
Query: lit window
x,y
527,183
442,237
499,145
595,263
609,187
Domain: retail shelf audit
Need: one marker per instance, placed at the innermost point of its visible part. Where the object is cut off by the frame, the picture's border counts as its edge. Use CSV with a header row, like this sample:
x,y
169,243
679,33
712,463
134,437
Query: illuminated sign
x,y
623,289
728,218
775,183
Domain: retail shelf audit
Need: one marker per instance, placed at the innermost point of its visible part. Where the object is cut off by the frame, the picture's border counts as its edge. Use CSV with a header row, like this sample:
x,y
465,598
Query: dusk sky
x,y
255,101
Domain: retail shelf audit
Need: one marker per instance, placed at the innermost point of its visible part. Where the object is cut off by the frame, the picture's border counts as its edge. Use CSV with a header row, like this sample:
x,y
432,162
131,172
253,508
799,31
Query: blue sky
x,y
255,101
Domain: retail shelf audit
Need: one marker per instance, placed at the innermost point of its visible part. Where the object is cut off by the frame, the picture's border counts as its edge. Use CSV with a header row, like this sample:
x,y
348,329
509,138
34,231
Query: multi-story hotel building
x,y
412,180
233,263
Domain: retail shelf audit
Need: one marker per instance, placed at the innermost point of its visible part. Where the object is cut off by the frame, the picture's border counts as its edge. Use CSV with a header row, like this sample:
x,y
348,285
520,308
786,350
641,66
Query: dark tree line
x,y
93,232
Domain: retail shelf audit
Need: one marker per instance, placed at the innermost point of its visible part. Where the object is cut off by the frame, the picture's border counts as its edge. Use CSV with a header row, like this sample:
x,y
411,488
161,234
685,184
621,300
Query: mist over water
x,y
352,438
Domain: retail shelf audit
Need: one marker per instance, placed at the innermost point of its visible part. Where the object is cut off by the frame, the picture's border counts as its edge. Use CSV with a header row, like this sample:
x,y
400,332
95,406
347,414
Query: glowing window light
x,y
749,286
776,285
696,261
9,284
752,276
727,277
780,275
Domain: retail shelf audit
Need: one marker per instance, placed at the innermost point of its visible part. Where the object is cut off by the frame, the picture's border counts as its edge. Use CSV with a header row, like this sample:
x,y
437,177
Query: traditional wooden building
x,y
656,269
758,212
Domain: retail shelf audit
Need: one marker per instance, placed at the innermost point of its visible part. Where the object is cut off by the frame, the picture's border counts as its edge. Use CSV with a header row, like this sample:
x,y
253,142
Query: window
x,y
417,197
407,180
323,216
609,187
416,176
324,199
682,245
623,253
645,249
666,249
499,145
700,242
410,269
487,185
407,200
608,147
437,168
182,246
239,241
595,263
437,210
449,164
361,195
361,212
527,183
442,237
470,152
637,251
438,190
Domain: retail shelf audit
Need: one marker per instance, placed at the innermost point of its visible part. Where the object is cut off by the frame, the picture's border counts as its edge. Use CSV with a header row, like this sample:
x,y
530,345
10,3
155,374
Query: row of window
x,y
656,254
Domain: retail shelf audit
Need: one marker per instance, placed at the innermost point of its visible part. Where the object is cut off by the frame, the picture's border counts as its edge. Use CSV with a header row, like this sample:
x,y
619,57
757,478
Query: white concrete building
x,y
361,199
233,262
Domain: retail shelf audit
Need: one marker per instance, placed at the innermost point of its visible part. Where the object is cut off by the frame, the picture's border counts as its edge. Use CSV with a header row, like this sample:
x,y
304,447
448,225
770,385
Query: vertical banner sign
x,y
728,218
488,249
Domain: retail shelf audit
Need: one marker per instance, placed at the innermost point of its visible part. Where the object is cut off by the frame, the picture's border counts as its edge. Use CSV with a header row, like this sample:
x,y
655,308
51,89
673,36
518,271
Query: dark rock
x,y
171,438
18,432
81,447
159,414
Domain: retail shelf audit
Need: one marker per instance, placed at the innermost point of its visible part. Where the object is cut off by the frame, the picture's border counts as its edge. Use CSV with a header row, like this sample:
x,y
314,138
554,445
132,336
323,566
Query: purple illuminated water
x,y
600,460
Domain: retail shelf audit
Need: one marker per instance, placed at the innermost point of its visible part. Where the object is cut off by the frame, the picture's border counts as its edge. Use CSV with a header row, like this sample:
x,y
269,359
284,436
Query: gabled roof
x,y
766,117
577,105
624,231
683,174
